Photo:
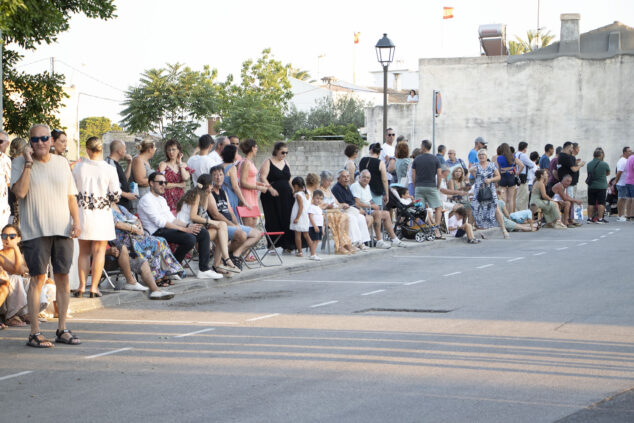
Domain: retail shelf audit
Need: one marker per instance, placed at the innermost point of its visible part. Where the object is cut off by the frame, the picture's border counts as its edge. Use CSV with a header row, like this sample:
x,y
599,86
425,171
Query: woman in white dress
x,y
98,186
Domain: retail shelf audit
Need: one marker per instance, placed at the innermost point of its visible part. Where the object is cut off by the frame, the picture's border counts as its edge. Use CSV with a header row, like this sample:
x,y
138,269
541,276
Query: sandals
x,y
300,254
473,241
77,293
70,340
95,295
229,268
37,340
163,283
15,321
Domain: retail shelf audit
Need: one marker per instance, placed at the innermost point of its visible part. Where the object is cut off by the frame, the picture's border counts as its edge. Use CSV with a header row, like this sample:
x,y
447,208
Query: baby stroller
x,y
411,218
612,199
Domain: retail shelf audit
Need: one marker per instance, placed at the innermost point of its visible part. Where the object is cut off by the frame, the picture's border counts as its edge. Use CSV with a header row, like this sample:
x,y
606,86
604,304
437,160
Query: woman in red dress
x,y
176,173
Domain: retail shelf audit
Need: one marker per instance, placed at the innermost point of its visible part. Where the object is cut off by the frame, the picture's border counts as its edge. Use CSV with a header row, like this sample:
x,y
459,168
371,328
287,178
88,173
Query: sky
x,y
104,58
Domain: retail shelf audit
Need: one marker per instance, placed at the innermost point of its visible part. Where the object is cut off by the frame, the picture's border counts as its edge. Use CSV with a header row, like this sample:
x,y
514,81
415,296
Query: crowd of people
x,y
149,222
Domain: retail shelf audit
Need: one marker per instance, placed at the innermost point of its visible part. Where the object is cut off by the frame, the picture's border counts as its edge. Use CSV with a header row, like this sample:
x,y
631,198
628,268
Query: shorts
x,y
460,233
429,195
315,236
597,196
507,180
231,230
622,191
56,249
629,190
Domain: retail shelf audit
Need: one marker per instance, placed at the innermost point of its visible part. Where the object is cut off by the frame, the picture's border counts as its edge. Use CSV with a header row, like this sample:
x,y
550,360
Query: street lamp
x,y
385,55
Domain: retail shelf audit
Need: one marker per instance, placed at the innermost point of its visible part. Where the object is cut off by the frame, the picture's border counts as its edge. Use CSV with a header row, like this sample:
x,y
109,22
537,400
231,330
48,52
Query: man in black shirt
x,y
117,153
567,164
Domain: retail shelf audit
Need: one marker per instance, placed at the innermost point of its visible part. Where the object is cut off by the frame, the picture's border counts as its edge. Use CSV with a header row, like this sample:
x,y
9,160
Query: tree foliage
x,y
255,107
534,40
95,127
349,133
26,24
171,102
302,75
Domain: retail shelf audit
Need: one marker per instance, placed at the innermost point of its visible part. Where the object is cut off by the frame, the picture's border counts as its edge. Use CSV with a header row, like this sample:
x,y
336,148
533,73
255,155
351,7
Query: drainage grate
x,y
403,310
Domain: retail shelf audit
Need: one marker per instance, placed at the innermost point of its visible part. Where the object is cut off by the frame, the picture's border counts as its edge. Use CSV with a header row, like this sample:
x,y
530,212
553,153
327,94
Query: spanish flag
x,y
356,37
447,12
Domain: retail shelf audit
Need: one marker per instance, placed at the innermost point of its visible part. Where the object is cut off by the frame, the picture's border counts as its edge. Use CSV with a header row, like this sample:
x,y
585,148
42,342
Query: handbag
x,y
484,195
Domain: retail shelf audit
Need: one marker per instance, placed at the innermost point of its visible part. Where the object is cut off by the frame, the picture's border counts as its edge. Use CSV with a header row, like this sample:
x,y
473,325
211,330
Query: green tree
x,y
26,24
534,40
95,127
255,107
293,121
302,75
171,101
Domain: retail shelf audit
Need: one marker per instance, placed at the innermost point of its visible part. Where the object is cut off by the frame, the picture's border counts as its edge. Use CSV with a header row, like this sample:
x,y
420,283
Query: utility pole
x,y
1,84
52,65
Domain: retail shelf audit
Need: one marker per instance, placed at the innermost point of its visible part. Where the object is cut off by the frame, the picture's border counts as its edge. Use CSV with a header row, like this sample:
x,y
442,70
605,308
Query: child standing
x,y
458,229
299,216
316,218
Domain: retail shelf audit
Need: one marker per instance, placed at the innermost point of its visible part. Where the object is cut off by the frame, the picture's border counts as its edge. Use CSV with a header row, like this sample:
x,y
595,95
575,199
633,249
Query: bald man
x,y
118,153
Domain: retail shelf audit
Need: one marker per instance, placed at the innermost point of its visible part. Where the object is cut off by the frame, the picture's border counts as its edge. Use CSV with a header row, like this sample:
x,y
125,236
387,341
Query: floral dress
x,y
172,195
484,213
153,249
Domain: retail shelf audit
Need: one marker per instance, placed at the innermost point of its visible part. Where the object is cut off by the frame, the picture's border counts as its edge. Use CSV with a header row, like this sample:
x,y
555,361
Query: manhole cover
x,y
403,310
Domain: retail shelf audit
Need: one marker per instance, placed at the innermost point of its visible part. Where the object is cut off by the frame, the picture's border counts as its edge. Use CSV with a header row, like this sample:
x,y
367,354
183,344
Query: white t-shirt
x,y
363,194
621,166
202,164
454,222
386,150
317,213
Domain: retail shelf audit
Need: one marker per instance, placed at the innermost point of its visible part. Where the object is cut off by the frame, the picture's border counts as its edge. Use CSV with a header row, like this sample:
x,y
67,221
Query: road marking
x,y
253,319
484,266
16,375
617,229
610,233
195,333
187,322
602,236
453,273
324,304
582,244
108,353
562,248
514,259
595,240
352,282
541,253
456,257
374,292
414,282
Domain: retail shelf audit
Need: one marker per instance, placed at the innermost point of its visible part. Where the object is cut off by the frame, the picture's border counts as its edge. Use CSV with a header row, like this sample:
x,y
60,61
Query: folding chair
x,y
255,213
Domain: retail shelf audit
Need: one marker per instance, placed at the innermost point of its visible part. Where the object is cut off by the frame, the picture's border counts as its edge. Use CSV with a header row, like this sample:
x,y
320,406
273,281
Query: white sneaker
x,y
622,219
161,295
135,287
316,258
398,243
383,245
209,274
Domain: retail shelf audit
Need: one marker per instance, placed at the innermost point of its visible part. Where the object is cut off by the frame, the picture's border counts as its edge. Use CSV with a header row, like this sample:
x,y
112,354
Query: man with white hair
x,y
5,179
117,153
221,143
359,222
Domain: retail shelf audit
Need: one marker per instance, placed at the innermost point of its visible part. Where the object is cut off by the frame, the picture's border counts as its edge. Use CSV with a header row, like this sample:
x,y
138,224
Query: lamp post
x,y
385,55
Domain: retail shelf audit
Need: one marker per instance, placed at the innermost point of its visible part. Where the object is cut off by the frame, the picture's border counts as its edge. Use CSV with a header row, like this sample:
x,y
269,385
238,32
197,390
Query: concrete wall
x,y
400,117
309,156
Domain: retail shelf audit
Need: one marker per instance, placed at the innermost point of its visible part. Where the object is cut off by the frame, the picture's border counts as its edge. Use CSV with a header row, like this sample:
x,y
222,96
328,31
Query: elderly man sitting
x,y
363,200
359,220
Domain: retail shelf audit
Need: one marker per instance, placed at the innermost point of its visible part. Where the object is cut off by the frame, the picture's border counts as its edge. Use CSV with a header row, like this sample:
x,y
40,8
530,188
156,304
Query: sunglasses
x,y
284,153
9,236
390,135
160,182
43,138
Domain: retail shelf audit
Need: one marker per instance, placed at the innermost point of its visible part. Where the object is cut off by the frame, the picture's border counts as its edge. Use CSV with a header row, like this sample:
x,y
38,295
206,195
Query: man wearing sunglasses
x,y
49,217
5,179
387,150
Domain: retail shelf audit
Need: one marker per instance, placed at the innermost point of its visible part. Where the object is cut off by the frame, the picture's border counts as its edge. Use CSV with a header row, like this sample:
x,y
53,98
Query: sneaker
x,y
622,219
363,247
136,287
209,274
316,258
602,221
383,245
398,243
161,295
589,220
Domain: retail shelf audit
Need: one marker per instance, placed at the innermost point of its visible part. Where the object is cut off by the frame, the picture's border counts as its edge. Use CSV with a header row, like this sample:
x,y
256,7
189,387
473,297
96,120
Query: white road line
x,y
455,257
374,292
617,229
108,353
602,236
582,244
452,273
324,304
187,322
484,266
253,319
414,282
562,248
195,333
16,375
595,240
541,253
610,233
514,259
342,282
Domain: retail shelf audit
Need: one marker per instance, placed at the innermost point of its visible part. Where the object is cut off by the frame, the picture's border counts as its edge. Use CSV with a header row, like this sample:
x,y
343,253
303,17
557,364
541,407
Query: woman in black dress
x,y
277,201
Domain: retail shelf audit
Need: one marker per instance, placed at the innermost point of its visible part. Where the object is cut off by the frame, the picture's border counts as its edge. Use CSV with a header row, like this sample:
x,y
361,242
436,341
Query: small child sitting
x,y
458,229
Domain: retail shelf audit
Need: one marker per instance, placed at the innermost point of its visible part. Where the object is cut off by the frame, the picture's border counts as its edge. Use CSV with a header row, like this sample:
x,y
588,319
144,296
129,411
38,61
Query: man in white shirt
x,y
203,161
363,198
220,144
5,179
521,202
158,220
625,205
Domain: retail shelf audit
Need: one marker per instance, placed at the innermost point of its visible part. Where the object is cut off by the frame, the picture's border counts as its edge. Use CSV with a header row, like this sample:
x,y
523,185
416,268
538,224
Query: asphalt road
x,y
533,329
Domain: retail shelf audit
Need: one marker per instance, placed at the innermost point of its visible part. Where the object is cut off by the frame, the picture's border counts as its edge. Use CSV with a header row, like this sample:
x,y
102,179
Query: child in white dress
x,y
299,216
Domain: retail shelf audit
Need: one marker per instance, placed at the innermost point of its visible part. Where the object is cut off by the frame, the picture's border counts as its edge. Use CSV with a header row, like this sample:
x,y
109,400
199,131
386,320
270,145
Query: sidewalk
x,y
113,298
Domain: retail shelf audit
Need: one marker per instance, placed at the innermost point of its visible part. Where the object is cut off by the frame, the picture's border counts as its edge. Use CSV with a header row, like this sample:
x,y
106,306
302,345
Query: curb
x,y
116,298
